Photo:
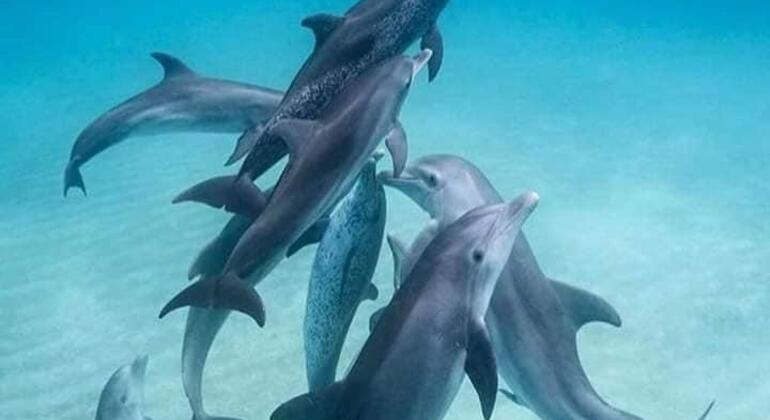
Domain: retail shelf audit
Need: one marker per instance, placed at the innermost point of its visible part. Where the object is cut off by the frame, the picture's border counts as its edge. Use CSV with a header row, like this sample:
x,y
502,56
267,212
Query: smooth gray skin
x,y
341,277
182,102
413,364
327,156
533,320
369,33
123,396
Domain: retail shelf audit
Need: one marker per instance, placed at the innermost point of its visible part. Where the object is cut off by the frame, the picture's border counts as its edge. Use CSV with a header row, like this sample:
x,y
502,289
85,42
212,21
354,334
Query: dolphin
x,y
533,320
327,157
346,46
183,101
341,277
123,396
433,332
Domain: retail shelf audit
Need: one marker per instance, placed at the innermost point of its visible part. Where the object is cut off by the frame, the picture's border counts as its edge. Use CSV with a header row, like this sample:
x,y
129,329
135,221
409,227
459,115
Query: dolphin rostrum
x,y
123,396
346,46
183,101
533,320
433,332
341,277
327,156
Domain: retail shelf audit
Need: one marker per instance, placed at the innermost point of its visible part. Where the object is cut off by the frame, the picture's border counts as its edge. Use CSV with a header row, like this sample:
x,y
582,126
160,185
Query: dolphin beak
x,y
519,209
409,185
420,60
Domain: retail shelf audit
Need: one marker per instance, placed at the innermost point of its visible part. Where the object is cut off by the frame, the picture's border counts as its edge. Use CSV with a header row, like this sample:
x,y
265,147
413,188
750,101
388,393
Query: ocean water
x,y
644,126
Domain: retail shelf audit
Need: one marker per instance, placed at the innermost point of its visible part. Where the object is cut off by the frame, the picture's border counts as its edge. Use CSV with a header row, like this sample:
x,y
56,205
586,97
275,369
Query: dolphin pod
x,y
346,46
183,101
327,154
470,297
432,333
533,320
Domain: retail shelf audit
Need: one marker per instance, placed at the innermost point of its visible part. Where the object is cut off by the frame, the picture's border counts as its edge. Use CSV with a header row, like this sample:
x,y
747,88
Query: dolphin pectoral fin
x,y
294,133
371,293
212,258
434,42
584,306
322,25
312,235
708,410
73,178
220,292
397,146
513,397
375,318
245,143
481,366
235,194
399,251
320,405
172,66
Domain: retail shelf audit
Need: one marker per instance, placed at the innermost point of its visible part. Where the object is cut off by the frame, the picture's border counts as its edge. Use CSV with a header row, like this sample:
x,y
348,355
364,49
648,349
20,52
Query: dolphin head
x,y
444,186
383,89
480,243
123,396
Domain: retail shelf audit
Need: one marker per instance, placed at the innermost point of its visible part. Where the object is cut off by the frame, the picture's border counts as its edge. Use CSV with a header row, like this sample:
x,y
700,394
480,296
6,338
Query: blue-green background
x,y
644,125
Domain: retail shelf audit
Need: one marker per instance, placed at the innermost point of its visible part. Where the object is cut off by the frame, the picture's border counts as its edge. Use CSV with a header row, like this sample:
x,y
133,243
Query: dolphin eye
x,y
478,256
432,180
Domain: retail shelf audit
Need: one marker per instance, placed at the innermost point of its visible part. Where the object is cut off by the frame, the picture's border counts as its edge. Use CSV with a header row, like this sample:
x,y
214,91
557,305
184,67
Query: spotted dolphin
x,y
327,157
433,332
533,320
346,46
341,277
183,101
123,396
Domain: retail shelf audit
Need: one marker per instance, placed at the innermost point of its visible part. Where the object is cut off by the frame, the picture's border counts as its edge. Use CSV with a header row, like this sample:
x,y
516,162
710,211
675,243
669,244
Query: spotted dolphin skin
x,y
533,320
123,396
327,157
183,101
341,277
433,332
346,46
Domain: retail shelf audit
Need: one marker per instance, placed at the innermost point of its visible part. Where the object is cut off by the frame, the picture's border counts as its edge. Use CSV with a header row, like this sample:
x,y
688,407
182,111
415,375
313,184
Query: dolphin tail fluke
x,y
235,194
220,292
708,410
321,405
73,178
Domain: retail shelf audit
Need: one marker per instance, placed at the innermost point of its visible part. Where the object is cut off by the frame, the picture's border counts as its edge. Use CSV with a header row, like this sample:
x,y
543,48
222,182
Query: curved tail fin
x,y
73,178
220,292
234,194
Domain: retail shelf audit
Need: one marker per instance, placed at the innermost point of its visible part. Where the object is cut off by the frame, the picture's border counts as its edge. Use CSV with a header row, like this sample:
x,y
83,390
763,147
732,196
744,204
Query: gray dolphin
x,y
182,102
433,332
123,396
327,156
346,47
533,320
341,277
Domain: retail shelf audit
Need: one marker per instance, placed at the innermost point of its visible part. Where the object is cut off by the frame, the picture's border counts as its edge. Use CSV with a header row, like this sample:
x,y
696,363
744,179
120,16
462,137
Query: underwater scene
x,y
384,210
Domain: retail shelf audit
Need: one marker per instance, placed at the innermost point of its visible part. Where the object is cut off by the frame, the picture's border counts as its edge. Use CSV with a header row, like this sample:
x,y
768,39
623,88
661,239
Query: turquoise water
x,y
644,126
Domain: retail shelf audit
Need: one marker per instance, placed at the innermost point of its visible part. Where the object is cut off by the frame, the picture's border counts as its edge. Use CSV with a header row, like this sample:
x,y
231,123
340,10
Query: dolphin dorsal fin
x,y
172,66
584,306
322,25
294,132
399,250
